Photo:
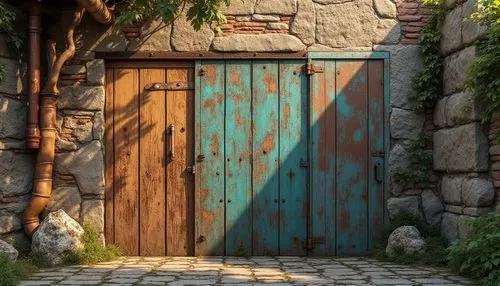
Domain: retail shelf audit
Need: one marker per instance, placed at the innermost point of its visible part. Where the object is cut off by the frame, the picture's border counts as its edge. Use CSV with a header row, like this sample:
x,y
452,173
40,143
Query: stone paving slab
x,y
277,271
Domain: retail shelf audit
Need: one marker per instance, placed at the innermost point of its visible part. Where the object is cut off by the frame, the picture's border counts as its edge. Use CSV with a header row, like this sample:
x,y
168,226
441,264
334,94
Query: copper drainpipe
x,y
34,30
42,187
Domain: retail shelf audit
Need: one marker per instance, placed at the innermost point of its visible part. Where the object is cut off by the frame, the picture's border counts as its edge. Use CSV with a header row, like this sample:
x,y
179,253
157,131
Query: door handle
x,y
379,177
171,129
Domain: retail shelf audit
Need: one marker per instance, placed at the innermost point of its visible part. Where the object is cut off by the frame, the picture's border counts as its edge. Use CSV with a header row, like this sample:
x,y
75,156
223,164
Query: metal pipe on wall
x,y
34,31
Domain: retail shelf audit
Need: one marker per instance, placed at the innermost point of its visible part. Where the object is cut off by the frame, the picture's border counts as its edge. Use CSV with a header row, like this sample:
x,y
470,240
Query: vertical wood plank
x,y
152,164
210,176
293,150
376,146
179,181
126,169
352,145
265,158
109,157
323,158
237,154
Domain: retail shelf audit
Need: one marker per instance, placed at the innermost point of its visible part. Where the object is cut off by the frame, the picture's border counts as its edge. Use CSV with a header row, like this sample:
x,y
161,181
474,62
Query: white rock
x,y
57,236
406,239
6,248
385,8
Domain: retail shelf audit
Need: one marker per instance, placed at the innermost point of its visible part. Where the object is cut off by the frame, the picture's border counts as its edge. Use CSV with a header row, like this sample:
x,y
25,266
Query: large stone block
x,y
451,189
12,118
155,36
93,213
451,36
449,226
387,32
10,223
455,69
406,62
304,23
461,149
16,173
398,159
403,205
347,24
185,38
471,31
15,73
478,192
439,116
281,7
86,165
258,43
432,207
456,109
81,97
98,129
385,8
67,199
406,124
239,8
95,72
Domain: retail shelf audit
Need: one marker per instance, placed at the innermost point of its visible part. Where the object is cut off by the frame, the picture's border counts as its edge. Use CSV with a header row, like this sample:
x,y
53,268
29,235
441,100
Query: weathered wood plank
x,y
210,176
151,164
352,143
265,158
323,158
109,158
179,181
293,151
376,146
126,169
237,153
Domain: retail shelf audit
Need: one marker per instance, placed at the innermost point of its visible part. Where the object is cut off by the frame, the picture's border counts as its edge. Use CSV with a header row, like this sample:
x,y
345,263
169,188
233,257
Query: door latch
x,y
191,169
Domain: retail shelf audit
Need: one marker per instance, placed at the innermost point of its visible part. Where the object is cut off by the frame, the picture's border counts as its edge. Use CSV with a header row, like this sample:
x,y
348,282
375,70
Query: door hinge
x,y
312,69
310,242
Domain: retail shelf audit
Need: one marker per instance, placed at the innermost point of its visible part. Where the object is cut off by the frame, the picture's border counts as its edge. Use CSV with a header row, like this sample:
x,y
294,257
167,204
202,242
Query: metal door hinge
x,y
304,163
312,241
312,69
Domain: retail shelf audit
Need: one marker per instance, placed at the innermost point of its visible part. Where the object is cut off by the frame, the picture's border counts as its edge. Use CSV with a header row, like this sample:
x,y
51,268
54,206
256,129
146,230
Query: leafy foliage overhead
x,y
196,11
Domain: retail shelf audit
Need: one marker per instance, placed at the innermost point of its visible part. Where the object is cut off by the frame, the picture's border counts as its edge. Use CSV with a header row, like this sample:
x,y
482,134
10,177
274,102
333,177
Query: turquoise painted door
x,y
289,164
251,139
347,155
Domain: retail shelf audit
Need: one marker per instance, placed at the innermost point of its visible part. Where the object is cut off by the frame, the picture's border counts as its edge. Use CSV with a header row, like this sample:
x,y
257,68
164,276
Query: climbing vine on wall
x,y
428,83
15,39
197,11
417,175
483,77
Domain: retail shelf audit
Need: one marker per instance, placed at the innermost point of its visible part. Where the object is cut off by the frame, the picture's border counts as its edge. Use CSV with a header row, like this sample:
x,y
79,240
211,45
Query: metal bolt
x,y
156,86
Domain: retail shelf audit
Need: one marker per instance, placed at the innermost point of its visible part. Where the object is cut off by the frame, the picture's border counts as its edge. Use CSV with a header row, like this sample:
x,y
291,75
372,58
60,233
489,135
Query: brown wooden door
x,y
149,149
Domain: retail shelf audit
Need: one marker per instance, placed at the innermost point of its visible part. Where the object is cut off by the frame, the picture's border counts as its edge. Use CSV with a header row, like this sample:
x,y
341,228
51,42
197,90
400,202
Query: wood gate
x,y
270,157
149,157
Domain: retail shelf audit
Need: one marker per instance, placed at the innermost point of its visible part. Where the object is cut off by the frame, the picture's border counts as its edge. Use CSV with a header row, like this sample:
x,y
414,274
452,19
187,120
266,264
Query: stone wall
x,y
16,164
460,143
253,26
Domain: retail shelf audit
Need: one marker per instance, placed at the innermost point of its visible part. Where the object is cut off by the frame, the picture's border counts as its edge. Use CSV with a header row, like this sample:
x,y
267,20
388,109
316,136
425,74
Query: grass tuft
x,y
93,250
12,272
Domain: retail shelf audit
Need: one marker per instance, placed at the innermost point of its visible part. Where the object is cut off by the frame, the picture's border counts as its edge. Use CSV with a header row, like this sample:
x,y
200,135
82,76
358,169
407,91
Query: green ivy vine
x,y
417,175
15,39
428,83
483,76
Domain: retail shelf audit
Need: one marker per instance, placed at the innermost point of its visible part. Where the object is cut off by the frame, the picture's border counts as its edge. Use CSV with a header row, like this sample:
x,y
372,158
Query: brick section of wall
x,y
494,136
256,24
412,17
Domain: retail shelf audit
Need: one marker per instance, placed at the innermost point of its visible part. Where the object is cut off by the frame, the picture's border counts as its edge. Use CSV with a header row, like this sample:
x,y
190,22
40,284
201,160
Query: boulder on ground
x,y
406,239
6,248
57,236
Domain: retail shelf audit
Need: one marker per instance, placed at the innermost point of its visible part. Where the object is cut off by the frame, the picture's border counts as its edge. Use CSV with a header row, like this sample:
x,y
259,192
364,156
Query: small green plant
x,y
478,255
2,72
198,12
93,250
421,158
428,83
11,272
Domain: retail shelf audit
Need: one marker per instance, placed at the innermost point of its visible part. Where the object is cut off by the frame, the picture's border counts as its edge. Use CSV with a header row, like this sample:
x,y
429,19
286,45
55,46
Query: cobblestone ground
x,y
245,271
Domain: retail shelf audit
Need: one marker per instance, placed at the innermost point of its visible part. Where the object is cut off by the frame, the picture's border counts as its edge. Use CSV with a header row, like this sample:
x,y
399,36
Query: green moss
x,y
93,251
